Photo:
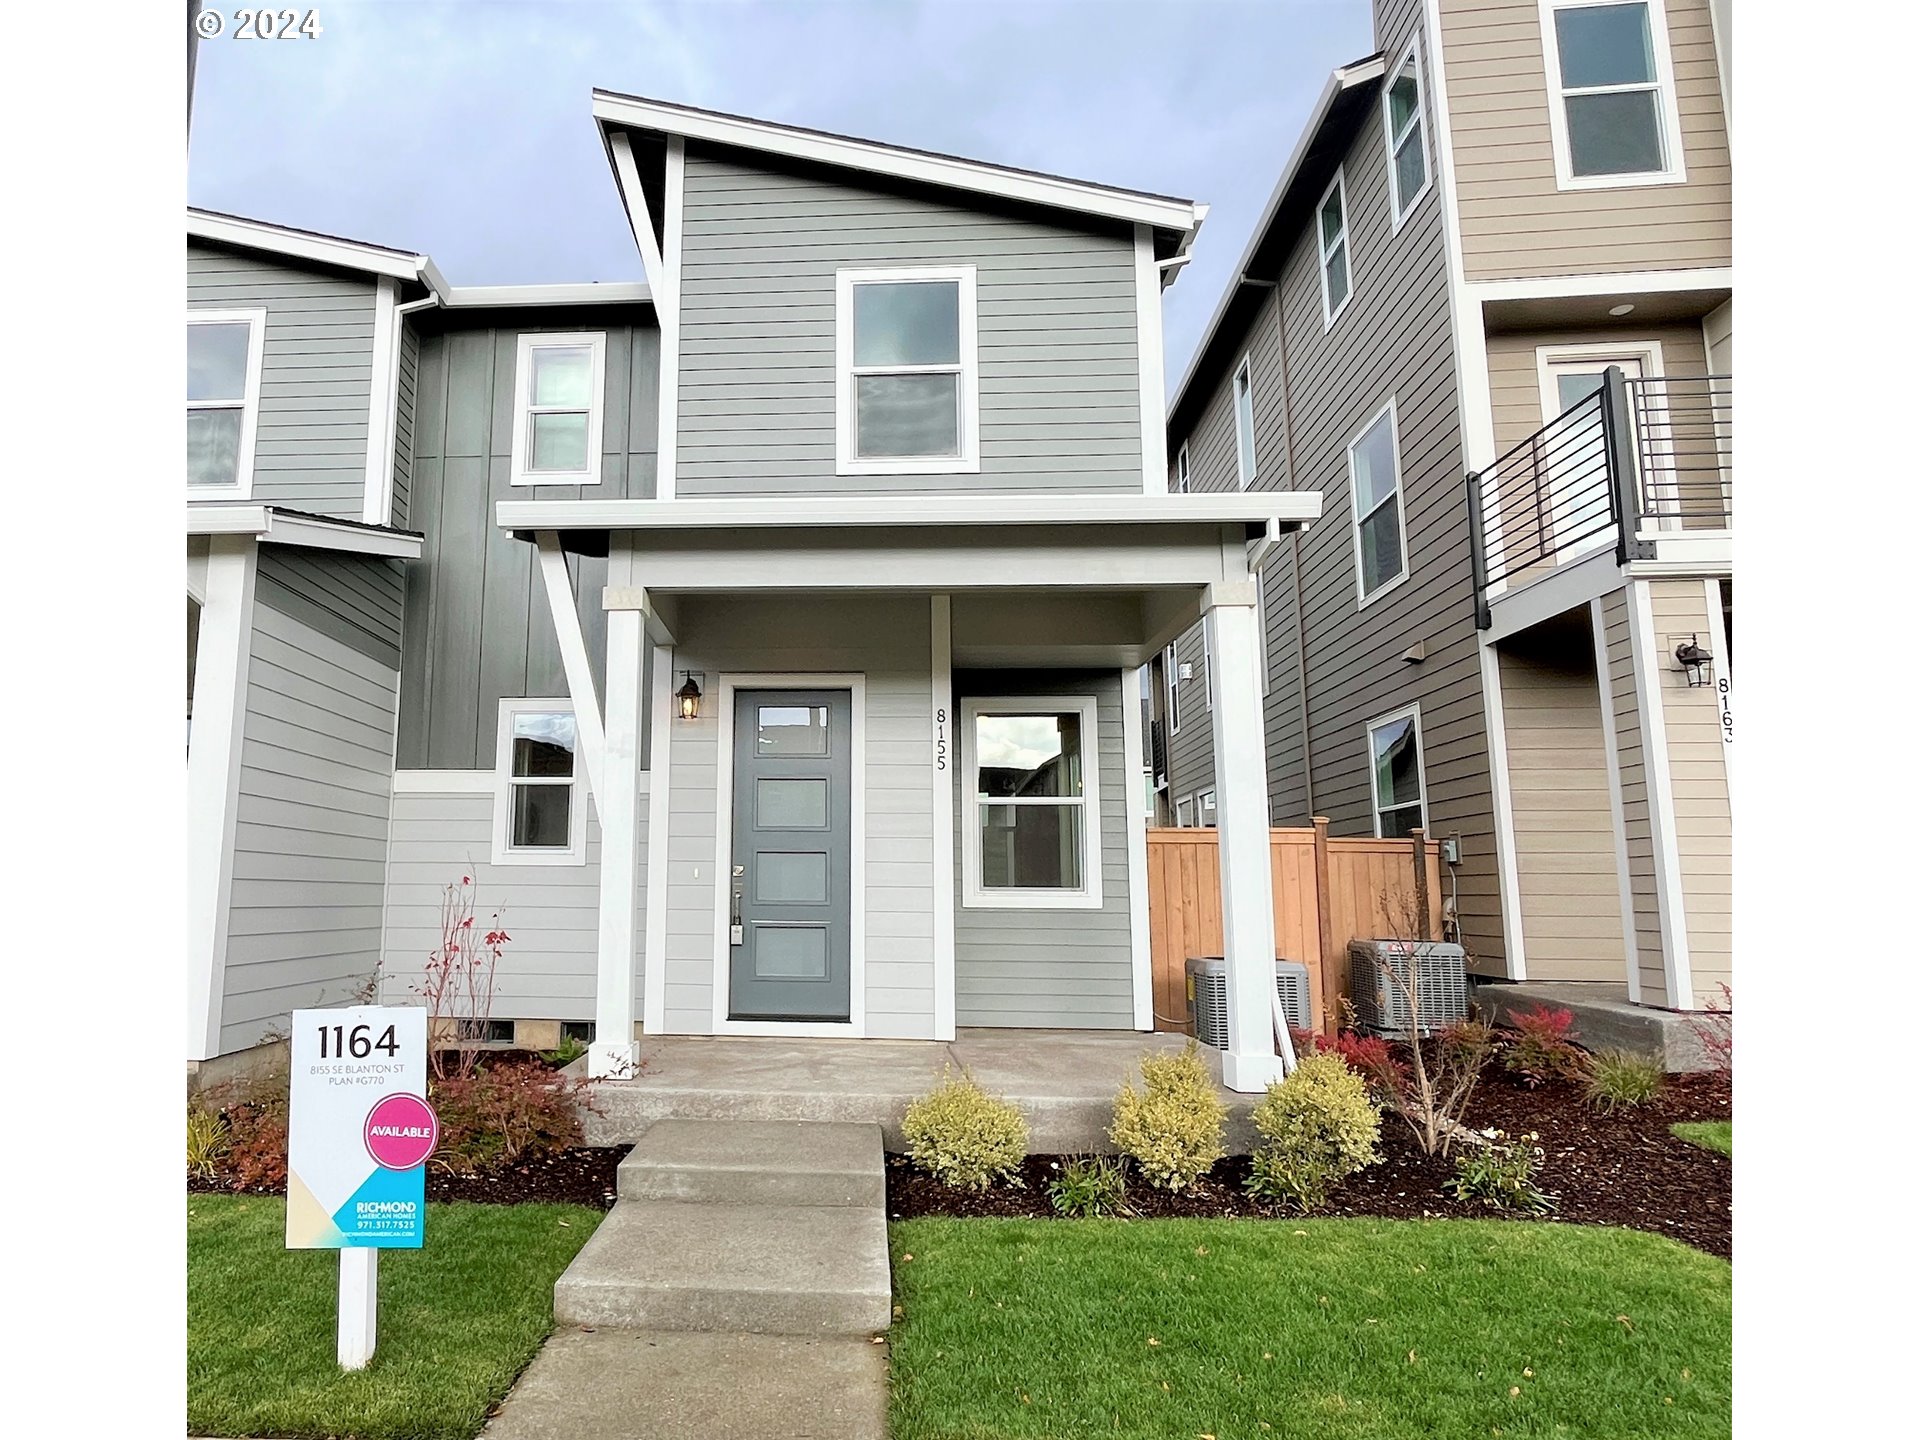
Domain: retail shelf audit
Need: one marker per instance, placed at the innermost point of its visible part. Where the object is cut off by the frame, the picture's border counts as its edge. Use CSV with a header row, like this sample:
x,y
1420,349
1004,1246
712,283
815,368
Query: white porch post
x,y
1251,1062
613,1053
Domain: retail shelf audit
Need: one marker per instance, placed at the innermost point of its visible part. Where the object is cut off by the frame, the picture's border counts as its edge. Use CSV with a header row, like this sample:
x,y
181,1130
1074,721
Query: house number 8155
x,y
940,739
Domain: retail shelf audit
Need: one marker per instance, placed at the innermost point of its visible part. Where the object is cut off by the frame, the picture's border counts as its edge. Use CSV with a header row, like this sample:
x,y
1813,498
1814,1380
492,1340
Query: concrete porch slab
x,y
1063,1080
1603,1018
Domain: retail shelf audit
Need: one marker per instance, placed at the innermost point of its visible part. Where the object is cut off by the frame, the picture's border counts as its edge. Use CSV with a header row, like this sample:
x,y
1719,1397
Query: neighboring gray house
x,y
1471,266
765,641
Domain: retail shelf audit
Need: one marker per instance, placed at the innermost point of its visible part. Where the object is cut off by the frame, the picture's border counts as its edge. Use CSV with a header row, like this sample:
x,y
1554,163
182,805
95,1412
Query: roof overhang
x,y
272,525
495,297
223,229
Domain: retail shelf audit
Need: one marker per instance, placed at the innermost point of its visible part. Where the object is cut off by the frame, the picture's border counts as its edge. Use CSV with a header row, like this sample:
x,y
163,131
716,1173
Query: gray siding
x,y
552,911
353,599
1623,693
478,627
406,393
316,373
1059,360
310,837
1067,968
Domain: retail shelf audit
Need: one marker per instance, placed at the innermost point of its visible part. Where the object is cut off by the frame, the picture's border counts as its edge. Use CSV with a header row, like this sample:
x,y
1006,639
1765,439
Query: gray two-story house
x,y
764,640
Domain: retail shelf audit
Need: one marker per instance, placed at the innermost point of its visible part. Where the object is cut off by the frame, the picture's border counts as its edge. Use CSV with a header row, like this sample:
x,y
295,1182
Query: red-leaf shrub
x,y
1371,1057
500,1113
1305,1042
1542,1047
255,1114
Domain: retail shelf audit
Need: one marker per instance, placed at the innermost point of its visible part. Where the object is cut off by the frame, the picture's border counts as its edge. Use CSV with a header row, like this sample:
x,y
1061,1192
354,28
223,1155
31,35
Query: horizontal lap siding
x,y
407,388
1514,219
310,836
1624,693
1058,351
1050,968
551,965
1513,369
316,374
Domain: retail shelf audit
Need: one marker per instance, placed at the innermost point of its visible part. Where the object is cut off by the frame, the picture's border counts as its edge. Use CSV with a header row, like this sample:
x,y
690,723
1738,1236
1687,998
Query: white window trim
x,y
1170,674
1419,762
596,341
575,852
1403,205
1183,812
1668,109
1090,894
1204,801
847,461
1328,311
256,322
1206,656
1368,597
1246,452
1182,472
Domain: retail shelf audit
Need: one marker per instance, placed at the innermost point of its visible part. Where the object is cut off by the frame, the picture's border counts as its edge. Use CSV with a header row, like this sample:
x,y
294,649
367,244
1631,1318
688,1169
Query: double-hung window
x,y
1032,837
540,815
559,386
1399,774
1209,812
1615,117
1336,262
1182,472
1406,126
907,384
1243,421
1379,516
223,400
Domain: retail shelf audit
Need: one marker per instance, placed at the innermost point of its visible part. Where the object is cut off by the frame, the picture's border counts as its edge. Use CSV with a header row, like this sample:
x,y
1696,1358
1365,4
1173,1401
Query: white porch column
x,y
1251,1062
613,1053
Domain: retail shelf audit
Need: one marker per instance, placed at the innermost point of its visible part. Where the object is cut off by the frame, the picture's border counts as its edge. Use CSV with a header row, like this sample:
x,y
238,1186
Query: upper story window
x,y
1398,773
539,813
1182,472
559,384
1033,837
1407,170
1243,421
1379,518
1610,74
223,400
1336,264
907,383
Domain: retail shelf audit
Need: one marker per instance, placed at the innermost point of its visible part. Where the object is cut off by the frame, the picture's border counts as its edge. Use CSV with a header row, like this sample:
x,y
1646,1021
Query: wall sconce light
x,y
689,695
1698,663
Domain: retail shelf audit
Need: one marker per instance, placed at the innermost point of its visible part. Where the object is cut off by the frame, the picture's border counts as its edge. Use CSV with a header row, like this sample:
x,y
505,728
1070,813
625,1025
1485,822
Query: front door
x,y
791,881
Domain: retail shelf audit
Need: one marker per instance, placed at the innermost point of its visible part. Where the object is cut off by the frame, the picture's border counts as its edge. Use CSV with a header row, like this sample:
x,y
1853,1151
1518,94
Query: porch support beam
x,y
573,659
613,1054
1251,1061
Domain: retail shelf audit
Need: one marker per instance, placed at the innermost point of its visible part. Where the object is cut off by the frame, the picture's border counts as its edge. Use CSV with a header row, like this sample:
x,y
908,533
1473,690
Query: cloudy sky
x,y
463,129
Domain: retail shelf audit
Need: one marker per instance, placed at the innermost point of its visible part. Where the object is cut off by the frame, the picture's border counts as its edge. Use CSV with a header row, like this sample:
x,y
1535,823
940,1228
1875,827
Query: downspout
x,y
1299,614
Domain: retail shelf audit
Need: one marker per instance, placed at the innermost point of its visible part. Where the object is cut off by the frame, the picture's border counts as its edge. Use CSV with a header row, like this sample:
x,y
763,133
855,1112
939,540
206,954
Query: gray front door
x,y
792,855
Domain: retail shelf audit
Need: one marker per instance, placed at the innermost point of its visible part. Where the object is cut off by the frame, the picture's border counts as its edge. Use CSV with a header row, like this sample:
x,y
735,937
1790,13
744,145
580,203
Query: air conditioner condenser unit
x,y
1207,997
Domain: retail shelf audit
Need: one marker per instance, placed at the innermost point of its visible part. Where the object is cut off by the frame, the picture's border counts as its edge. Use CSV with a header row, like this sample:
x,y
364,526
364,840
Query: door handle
x,y
739,933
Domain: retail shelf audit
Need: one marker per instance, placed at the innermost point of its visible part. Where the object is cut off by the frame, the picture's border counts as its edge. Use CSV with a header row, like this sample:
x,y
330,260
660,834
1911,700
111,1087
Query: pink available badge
x,y
401,1131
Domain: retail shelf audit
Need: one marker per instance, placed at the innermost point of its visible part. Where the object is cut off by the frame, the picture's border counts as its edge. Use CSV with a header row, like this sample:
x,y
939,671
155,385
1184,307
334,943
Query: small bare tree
x,y
1714,1030
456,984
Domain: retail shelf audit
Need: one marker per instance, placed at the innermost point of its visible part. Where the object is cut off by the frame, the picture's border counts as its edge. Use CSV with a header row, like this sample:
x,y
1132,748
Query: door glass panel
x,y
792,730
790,952
1575,388
790,877
1030,847
1028,755
790,804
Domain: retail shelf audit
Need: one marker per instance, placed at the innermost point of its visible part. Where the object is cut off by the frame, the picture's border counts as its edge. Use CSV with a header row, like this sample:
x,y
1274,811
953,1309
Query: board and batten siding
x,y
316,373
550,967
1623,692
316,769
478,629
888,639
1052,968
1515,221
1058,351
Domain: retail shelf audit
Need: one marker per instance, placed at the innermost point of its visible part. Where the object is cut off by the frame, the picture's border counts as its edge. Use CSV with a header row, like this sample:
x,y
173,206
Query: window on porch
x,y
539,818
1035,803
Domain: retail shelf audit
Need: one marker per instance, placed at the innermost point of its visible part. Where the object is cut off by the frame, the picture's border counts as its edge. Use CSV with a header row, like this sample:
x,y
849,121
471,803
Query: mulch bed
x,y
583,1175
1624,1169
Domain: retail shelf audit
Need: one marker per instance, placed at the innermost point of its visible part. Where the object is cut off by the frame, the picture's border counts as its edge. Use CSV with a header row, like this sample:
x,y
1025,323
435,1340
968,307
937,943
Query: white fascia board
x,y
1340,81
326,249
275,527
619,292
1618,282
1268,508
1080,196
226,519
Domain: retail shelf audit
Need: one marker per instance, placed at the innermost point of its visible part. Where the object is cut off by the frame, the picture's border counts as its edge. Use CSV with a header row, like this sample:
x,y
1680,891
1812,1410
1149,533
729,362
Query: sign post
x,y
359,1134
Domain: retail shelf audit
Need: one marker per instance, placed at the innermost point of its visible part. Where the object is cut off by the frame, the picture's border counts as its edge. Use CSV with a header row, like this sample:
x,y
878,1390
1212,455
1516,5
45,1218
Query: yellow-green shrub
x,y
1173,1126
1320,1125
961,1135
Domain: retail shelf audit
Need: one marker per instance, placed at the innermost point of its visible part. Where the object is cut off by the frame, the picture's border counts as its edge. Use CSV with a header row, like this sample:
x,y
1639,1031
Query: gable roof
x,y
312,245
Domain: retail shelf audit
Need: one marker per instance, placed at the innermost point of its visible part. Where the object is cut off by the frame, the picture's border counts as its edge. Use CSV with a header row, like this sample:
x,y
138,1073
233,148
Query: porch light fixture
x,y
689,695
1698,663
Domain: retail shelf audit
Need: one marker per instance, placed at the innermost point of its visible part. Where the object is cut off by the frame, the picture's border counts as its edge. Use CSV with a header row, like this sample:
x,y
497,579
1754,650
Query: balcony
x,y
1638,467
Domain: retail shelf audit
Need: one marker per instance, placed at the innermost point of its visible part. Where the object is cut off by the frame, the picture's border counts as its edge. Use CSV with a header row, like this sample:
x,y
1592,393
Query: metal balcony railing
x,y
1633,460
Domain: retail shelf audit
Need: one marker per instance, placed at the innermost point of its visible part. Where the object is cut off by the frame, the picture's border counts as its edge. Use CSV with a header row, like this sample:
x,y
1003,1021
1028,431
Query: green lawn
x,y
459,1320
1711,1134
1333,1328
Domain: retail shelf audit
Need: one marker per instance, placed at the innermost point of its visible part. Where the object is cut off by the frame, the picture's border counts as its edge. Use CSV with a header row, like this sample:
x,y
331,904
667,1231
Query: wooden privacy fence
x,y
1327,890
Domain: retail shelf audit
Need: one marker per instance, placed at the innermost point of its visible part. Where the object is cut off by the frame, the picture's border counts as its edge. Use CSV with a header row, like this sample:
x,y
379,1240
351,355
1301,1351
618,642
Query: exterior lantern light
x,y
689,697
1698,663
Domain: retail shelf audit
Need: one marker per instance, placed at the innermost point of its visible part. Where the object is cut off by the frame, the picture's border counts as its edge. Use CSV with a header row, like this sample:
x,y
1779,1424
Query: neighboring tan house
x,y
1488,315
764,641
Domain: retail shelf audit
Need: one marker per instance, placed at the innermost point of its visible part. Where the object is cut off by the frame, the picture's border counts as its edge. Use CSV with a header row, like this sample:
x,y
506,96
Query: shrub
x,y
1713,1028
570,1049
1371,1058
1094,1186
1542,1047
1501,1173
1622,1079
1320,1126
207,1141
964,1137
499,1113
253,1114
1173,1126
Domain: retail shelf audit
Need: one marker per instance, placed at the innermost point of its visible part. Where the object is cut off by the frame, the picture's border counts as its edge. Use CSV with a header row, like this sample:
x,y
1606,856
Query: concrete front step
x,y
757,1162
752,1269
